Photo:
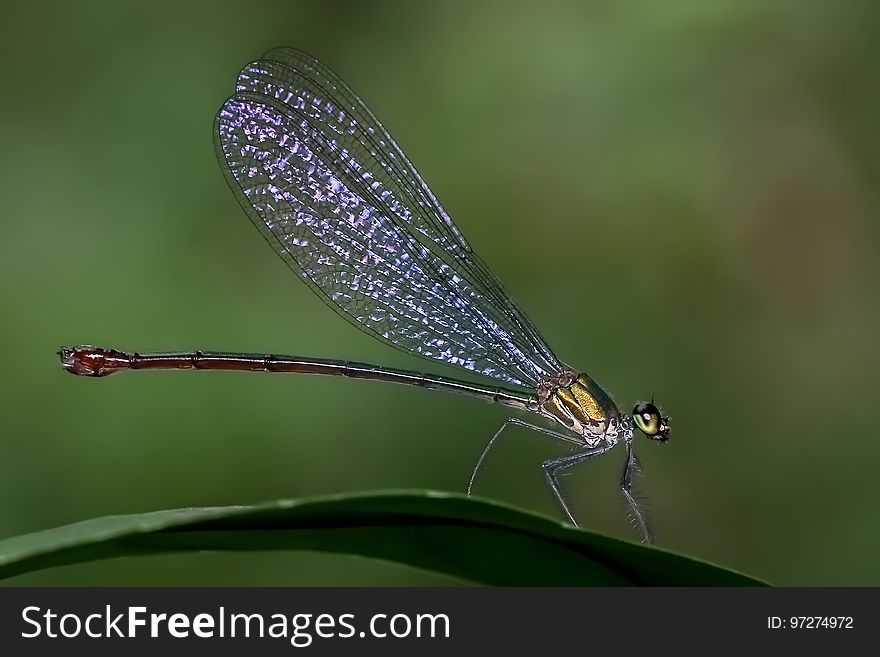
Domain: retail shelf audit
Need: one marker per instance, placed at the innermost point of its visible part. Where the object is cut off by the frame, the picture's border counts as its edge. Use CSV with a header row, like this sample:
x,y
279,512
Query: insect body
x,y
339,201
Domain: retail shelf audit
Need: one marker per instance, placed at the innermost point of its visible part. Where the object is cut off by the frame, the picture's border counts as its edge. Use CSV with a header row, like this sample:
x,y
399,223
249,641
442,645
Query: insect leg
x,y
630,466
552,466
569,438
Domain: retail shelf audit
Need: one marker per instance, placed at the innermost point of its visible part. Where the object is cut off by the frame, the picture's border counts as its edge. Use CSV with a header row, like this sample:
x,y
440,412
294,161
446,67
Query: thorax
x,y
581,406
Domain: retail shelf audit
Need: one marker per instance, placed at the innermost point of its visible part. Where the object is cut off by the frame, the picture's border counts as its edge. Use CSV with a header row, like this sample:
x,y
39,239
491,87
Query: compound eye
x,y
647,418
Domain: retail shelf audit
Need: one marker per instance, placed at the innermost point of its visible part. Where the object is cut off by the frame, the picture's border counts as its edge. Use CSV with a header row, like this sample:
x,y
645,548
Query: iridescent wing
x,y
339,201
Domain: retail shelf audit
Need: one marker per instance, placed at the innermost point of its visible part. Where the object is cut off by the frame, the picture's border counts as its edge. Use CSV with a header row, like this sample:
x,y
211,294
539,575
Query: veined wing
x,y
339,201
432,221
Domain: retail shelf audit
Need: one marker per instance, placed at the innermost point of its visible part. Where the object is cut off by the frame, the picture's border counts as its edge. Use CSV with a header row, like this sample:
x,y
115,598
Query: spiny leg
x,y
629,468
569,438
552,466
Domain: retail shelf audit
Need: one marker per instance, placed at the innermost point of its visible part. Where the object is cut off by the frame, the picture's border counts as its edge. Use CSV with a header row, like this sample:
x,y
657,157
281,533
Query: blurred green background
x,y
682,195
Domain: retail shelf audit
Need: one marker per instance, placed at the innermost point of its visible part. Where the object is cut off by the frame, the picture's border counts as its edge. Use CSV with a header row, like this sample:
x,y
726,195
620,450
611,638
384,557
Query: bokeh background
x,y
682,195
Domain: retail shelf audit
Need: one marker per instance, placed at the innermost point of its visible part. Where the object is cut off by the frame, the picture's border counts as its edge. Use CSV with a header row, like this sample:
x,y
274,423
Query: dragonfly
x,y
338,200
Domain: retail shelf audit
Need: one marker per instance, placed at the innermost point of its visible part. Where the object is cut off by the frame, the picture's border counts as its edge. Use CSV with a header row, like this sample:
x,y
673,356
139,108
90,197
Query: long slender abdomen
x,y
86,360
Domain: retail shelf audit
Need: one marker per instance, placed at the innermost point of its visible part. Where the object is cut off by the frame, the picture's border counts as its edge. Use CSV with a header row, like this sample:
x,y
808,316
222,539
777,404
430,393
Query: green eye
x,y
647,418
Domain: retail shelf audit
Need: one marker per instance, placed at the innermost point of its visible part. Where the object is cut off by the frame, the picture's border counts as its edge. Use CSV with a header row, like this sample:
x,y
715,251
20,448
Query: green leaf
x,y
476,540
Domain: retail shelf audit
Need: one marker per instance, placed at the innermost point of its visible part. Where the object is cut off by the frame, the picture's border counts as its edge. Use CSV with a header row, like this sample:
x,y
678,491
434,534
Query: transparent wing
x,y
339,201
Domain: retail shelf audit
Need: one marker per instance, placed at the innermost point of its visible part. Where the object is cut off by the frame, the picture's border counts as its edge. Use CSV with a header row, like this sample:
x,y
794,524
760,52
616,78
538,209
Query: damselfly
x,y
340,202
